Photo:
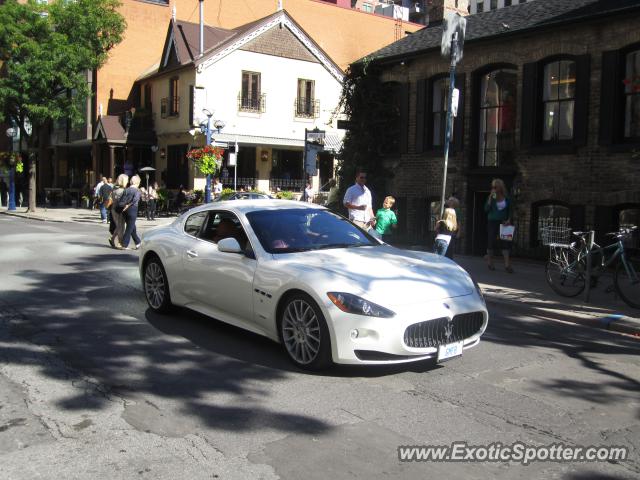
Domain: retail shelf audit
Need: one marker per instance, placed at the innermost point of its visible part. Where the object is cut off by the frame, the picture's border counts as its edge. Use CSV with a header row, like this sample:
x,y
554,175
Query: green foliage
x,y
369,105
285,195
226,193
46,51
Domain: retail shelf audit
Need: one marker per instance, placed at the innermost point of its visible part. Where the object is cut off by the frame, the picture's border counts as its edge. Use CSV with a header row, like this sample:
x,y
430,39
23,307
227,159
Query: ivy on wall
x,y
373,116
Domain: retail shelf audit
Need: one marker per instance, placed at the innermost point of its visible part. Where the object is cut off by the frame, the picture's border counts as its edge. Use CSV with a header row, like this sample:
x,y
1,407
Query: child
x,y
385,219
446,229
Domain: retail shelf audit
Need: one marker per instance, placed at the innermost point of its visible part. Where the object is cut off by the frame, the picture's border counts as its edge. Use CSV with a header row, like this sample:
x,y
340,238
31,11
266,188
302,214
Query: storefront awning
x,y
332,141
259,140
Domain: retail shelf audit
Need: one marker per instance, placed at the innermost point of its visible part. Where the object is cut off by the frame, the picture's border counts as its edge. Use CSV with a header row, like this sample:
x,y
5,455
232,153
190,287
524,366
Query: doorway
x,y
478,233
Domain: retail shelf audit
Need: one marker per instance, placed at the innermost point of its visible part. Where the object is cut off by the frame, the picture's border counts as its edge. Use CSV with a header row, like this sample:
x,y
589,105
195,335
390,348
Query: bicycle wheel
x,y
565,273
628,283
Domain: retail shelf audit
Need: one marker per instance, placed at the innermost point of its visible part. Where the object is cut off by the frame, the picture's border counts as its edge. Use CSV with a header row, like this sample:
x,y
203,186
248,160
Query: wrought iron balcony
x,y
252,103
306,107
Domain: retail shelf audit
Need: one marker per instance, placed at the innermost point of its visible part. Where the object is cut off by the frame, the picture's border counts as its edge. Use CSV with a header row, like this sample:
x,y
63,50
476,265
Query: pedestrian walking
x,y
446,229
217,188
3,192
104,197
130,211
96,193
386,219
152,199
116,238
357,200
499,210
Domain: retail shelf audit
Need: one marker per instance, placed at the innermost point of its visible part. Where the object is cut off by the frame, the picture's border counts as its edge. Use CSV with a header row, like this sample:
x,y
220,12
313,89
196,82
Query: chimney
x,y
201,27
438,10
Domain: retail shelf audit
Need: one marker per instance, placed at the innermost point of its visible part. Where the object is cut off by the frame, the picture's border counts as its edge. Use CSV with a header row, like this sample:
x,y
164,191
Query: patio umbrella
x,y
146,171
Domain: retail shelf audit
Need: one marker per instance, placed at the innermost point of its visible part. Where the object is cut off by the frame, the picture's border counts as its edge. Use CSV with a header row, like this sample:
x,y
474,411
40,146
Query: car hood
x,y
387,275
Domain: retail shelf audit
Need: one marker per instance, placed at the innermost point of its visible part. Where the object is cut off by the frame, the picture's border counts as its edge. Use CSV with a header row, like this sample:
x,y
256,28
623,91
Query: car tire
x,y
156,286
304,334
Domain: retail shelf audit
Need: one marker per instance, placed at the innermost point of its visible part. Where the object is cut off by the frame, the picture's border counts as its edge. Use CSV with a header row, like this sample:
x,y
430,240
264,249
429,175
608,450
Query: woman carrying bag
x,y
498,208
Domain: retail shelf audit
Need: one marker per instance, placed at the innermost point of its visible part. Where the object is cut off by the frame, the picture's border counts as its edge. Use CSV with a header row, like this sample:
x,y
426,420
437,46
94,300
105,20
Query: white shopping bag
x,y
506,232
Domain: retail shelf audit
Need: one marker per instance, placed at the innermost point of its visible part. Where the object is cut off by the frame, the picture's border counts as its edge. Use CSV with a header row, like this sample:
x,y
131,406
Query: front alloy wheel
x,y
304,333
156,286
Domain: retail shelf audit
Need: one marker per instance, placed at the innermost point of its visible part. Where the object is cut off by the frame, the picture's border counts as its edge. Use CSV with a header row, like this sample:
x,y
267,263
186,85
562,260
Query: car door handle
x,y
192,253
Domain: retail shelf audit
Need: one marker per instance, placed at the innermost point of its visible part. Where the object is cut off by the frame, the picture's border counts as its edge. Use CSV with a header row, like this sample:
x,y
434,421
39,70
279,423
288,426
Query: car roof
x,y
253,205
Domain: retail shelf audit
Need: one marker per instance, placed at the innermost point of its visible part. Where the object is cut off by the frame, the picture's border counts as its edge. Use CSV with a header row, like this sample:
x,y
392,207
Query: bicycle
x,y
568,267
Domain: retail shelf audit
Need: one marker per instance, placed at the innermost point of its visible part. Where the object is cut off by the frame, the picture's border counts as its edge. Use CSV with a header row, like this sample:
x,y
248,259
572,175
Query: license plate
x,y
449,351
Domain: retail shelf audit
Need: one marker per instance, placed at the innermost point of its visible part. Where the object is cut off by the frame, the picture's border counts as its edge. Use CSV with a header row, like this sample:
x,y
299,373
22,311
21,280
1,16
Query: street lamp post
x,y
12,174
205,127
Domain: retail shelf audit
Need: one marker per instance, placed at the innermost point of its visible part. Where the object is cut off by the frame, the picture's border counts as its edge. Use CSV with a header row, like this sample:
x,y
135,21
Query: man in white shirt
x,y
358,200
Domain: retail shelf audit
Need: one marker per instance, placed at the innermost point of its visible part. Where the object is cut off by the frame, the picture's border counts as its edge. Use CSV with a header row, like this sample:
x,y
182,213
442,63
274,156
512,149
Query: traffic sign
x,y
220,143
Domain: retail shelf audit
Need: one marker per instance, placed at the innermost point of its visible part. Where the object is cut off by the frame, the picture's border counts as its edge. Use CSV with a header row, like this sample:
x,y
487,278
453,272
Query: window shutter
x,y
458,122
420,112
581,114
191,103
528,124
404,117
610,97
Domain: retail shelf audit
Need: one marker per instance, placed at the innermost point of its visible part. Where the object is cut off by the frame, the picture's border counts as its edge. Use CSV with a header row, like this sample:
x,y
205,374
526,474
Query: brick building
x,y
549,102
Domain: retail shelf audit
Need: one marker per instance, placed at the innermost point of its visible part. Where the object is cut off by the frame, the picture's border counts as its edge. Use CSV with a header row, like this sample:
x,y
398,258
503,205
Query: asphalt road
x,y
93,385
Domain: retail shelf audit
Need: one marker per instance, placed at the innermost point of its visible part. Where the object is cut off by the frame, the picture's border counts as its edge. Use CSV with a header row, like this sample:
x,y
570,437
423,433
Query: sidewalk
x,y
526,290
79,215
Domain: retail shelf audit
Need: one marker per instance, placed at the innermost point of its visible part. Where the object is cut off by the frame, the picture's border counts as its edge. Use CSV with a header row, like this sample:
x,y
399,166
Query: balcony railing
x,y
306,107
254,103
170,107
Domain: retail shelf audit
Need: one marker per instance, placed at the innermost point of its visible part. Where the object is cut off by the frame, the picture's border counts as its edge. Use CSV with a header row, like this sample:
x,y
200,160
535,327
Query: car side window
x,y
193,224
221,224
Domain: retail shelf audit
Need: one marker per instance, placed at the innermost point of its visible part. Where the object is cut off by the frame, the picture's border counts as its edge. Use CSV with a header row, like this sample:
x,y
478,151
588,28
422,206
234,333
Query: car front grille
x,y
434,332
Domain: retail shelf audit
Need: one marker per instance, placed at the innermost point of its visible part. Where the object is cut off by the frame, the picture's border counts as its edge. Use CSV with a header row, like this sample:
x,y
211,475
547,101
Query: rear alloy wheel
x,y
156,286
304,333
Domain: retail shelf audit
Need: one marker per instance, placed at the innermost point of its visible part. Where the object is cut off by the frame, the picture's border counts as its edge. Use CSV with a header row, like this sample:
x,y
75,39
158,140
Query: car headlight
x,y
350,303
479,290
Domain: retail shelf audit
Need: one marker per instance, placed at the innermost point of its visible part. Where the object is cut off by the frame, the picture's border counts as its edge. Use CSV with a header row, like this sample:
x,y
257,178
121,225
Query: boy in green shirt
x,y
386,219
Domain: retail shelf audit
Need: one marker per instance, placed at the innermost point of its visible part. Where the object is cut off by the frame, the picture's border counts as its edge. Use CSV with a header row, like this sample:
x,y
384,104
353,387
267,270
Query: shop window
x,y
497,117
631,84
549,214
558,98
555,100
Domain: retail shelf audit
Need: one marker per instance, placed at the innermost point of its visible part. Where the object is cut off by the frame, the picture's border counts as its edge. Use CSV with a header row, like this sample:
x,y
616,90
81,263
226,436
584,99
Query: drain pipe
x,y
201,28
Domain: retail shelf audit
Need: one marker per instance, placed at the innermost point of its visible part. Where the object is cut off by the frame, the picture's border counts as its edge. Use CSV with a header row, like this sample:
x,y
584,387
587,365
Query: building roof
x,y
219,42
511,20
110,128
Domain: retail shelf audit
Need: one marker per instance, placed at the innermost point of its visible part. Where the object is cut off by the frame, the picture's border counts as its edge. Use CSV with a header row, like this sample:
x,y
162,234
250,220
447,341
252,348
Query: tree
x,y
367,103
45,53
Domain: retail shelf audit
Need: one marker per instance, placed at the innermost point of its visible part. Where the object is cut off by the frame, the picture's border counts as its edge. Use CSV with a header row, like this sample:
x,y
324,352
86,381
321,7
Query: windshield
x,y
299,230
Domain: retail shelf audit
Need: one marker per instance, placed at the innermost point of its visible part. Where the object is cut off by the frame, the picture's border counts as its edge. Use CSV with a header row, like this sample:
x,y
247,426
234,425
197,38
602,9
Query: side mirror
x,y
229,245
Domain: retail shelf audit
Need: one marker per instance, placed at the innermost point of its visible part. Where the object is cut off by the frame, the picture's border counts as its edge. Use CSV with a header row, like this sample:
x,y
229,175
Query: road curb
x,y
32,217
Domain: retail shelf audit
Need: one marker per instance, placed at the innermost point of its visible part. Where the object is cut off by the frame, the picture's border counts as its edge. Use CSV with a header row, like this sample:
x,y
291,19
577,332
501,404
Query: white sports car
x,y
311,280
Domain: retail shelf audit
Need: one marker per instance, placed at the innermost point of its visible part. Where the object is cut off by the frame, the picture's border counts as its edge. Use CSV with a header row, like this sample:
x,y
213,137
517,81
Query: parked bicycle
x,y
568,267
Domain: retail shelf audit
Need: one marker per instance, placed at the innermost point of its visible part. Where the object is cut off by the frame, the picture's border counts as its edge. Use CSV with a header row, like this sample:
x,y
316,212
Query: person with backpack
x,y
115,240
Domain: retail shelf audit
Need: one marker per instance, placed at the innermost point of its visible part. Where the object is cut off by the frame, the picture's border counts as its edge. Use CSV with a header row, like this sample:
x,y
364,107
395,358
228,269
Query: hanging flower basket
x,y
11,159
208,159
